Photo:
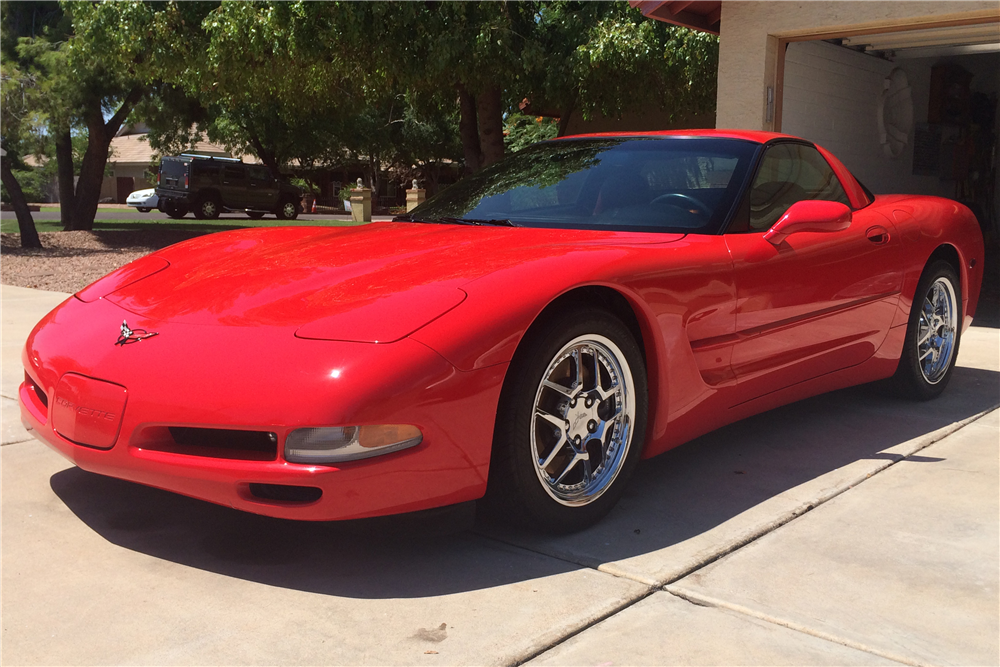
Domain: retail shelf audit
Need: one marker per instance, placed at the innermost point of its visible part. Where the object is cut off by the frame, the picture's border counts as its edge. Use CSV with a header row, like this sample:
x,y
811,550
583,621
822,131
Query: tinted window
x,y
234,173
207,173
259,174
641,184
789,173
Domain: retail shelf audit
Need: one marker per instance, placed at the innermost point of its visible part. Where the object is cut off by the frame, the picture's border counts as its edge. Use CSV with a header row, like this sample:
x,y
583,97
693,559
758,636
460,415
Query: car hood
x,y
371,283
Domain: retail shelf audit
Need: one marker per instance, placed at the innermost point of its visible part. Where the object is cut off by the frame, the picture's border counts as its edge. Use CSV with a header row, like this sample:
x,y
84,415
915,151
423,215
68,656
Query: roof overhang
x,y
703,15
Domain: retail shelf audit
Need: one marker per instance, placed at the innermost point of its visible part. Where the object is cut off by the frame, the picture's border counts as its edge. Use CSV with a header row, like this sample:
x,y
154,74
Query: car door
x,y
818,301
234,186
262,194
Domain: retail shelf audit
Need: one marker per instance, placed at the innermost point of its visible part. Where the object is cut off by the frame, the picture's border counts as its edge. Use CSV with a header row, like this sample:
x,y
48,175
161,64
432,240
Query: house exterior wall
x,y
748,49
831,97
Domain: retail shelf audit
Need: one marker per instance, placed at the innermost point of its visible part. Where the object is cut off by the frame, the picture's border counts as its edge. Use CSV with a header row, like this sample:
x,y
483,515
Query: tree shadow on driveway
x,y
692,495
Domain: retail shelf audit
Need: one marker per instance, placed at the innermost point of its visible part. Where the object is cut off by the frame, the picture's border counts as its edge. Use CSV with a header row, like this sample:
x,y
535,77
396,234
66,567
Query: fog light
x,y
348,443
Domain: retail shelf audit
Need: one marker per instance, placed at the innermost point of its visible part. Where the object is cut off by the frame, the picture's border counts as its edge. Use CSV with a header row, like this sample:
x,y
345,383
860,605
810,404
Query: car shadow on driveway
x,y
691,493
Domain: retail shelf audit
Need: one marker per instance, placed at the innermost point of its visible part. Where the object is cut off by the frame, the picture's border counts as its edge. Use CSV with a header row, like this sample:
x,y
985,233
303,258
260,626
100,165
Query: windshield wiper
x,y
457,221
474,221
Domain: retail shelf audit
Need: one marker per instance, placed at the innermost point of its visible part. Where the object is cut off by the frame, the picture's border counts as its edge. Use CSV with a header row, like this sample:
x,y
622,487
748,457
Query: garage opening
x,y
909,112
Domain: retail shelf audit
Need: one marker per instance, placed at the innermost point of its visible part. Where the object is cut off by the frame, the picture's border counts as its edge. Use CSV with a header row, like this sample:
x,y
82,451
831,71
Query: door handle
x,y
878,235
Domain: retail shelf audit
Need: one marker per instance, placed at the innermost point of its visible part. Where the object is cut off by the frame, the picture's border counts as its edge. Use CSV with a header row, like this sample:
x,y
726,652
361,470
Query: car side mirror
x,y
810,215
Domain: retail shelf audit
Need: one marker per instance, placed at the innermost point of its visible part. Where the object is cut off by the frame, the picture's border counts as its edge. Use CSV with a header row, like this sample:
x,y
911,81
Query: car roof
x,y
755,136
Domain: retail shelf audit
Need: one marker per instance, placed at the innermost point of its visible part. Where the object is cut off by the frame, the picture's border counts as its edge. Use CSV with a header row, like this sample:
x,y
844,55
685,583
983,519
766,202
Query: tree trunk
x,y
25,223
268,157
489,110
64,169
88,186
468,130
564,122
99,136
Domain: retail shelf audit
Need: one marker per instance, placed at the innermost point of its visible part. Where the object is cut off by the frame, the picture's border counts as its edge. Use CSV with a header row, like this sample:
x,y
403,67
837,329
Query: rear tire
x,y
208,208
570,425
288,209
932,334
174,211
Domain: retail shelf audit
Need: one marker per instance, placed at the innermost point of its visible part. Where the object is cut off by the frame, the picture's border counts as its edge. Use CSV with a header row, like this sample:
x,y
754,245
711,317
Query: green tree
x,y
566,57
605,57
16,88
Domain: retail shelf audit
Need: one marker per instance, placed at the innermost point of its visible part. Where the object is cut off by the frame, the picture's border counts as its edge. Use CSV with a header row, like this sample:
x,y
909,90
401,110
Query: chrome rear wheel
x,y
933,333
936,329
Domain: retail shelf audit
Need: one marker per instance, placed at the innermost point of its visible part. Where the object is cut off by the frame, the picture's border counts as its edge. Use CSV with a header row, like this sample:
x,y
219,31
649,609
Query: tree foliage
x,y
320,84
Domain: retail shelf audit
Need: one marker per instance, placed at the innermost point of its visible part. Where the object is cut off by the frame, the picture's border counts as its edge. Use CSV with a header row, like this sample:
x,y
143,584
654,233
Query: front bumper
x,y
264,379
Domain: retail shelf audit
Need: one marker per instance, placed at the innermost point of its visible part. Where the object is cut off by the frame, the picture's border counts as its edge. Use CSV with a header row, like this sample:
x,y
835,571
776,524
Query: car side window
x,y
259,175
208,174
234,173
790,173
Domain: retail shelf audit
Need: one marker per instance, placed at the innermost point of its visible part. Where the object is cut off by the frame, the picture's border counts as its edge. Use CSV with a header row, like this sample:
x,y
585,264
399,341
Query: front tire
x,y
287,210
255,215
571,423
142,209
932,334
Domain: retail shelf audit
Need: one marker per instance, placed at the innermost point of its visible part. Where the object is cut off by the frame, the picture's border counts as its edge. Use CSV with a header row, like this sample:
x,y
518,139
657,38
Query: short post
x,y
415,196
361,203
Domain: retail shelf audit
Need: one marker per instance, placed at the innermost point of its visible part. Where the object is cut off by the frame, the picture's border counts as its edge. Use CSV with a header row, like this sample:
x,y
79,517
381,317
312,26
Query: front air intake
x,y
218,443
284,493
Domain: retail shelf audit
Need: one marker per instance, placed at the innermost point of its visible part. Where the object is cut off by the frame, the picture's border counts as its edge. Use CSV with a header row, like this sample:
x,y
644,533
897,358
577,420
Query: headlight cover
x,y
132,272
337,444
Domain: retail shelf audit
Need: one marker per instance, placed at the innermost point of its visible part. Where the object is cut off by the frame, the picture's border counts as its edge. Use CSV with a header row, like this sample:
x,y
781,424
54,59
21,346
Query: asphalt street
x,y
849,528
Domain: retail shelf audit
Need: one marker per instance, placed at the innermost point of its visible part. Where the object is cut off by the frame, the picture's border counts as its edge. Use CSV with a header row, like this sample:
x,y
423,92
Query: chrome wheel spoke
x,y
555,421
568,392
577,457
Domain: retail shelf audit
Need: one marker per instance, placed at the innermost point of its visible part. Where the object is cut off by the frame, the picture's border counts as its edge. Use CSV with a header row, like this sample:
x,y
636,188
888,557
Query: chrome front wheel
x,y
581,425
570,423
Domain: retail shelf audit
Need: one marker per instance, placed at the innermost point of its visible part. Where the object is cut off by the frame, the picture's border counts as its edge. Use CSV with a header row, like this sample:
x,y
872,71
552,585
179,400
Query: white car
x,y
144,200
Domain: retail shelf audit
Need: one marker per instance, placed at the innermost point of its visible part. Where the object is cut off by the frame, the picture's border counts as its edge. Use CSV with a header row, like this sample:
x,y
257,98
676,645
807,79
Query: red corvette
x,y
525,337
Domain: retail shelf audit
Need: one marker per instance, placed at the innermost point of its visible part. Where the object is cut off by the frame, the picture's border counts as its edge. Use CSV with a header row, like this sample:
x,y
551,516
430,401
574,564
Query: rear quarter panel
x,y
926,225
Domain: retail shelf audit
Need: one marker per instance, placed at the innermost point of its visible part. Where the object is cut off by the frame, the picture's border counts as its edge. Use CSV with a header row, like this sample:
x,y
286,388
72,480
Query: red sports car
x,y
525,337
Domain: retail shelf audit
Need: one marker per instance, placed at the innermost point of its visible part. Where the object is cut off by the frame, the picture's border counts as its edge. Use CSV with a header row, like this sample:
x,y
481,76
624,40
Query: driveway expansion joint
x,y
17,442
708,601
531,655
823,498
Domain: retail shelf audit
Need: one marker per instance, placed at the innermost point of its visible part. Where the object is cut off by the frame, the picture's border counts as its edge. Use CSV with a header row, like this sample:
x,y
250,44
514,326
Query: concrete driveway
x,y
851,528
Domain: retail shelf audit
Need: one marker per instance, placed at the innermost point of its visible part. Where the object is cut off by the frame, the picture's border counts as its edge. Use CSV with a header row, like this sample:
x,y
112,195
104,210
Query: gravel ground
x,y
70,261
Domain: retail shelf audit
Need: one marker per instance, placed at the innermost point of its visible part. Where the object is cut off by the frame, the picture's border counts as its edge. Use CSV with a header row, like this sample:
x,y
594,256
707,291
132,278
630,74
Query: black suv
x,y
208,185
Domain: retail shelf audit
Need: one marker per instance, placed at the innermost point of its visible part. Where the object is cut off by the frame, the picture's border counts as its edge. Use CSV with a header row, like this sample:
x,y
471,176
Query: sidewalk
x,y
851,528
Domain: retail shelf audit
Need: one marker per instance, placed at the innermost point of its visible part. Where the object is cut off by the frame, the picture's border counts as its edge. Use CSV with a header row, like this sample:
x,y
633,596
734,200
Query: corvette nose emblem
x,y
133,336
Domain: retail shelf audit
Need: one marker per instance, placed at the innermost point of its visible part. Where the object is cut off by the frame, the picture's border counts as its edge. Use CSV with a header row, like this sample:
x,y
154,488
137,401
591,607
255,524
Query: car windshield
x,y
668,184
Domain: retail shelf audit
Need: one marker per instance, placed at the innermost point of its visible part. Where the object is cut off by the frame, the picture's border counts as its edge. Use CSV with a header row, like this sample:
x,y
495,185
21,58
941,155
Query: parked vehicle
x,y
525,337
144,200
208,186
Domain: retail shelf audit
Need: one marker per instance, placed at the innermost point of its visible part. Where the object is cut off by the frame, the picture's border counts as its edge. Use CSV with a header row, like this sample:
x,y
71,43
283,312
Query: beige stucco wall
x,y
750,32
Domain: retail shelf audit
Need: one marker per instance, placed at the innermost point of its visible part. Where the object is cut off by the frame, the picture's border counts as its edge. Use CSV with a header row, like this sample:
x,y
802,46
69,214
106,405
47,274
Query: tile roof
x,y
135,149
